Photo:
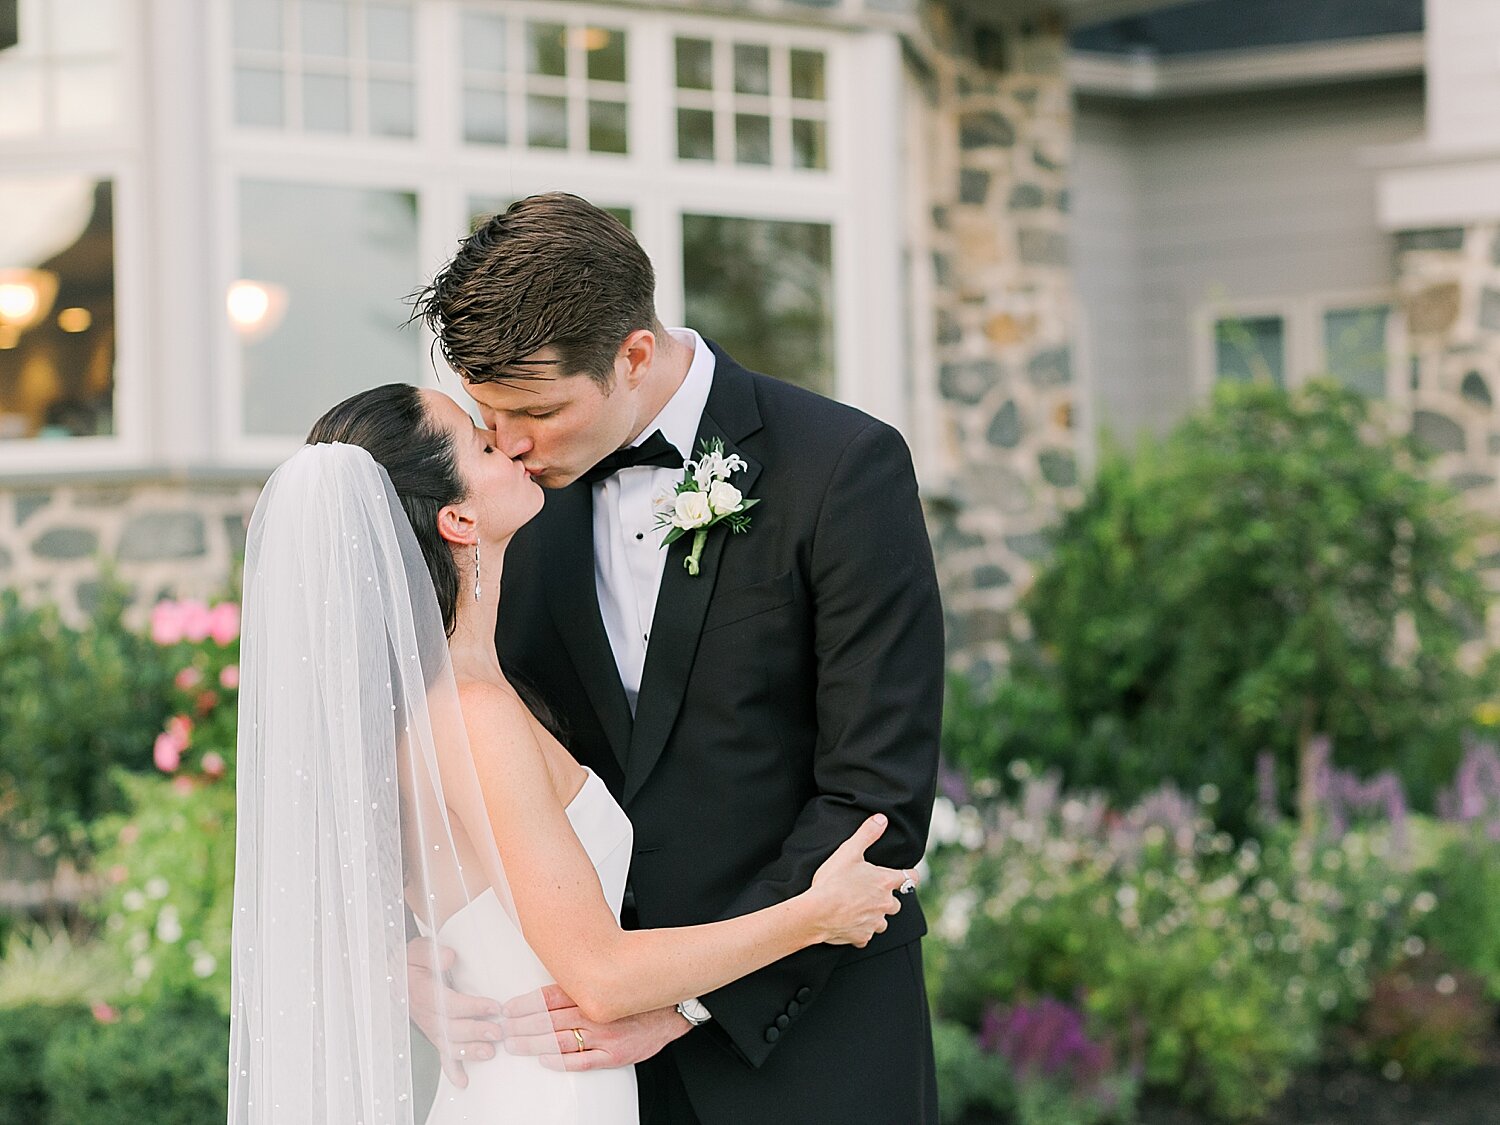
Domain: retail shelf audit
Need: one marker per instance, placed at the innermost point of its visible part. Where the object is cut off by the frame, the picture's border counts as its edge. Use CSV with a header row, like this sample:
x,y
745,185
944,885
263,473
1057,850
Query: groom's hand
x,y
460,1027
624,1042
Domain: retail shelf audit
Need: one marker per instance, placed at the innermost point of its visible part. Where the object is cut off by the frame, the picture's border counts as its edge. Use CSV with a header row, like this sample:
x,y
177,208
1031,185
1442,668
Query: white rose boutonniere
x,y
702,499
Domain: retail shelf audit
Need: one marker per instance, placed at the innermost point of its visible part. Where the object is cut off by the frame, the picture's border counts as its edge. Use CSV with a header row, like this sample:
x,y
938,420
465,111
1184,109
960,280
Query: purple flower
x,y
1047,1039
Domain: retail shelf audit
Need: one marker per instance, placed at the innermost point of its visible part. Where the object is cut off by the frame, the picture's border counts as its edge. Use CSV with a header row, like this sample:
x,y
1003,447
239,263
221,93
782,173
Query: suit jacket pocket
x,y
748,601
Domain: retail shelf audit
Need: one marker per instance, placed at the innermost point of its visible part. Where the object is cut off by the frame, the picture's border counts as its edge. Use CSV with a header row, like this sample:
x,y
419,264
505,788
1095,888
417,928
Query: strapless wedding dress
x,y
493,960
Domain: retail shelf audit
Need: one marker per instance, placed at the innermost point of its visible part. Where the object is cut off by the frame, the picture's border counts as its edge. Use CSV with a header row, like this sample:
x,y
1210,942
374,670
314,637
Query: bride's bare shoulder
x,y
493,713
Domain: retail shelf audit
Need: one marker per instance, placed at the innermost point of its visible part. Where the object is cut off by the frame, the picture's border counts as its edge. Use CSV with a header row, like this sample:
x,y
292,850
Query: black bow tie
x,y
655,450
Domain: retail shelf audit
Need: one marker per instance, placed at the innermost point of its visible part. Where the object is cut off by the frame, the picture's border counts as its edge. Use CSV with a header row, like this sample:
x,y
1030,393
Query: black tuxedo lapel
x,y
682,603
574,601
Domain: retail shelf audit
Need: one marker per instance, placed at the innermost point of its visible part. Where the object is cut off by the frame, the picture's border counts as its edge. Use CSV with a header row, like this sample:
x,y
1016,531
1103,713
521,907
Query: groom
x,y
748,717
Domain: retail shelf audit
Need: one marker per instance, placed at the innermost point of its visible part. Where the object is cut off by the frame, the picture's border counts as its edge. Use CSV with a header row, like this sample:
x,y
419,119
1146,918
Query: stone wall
x,y
159,536
1449,281
998,149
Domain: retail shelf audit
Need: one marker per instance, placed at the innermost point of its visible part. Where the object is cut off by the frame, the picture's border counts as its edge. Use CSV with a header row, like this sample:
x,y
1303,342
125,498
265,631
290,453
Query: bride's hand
x,y
852,898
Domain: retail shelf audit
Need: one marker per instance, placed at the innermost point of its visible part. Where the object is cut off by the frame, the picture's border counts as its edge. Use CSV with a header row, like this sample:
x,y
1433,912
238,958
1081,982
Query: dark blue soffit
x,y
1230,25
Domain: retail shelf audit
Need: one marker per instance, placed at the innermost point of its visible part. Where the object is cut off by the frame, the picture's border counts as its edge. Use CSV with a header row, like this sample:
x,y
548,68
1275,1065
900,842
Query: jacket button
x,y
772,1034
793,1008
804,995
782,1021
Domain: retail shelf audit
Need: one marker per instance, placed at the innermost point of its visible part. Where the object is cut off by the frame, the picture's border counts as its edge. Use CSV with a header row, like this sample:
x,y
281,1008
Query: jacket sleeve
x,y
878,636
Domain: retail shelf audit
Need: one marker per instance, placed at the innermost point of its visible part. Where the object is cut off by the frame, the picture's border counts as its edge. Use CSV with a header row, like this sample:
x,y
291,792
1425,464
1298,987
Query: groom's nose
x,y
513,441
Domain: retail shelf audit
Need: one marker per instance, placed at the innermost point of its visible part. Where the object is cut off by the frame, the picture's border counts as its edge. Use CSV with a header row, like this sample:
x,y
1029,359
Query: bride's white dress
x,y
493,960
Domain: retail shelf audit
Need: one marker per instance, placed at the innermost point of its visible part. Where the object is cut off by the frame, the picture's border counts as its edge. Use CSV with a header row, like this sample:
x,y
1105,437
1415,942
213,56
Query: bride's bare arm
x,y
609,972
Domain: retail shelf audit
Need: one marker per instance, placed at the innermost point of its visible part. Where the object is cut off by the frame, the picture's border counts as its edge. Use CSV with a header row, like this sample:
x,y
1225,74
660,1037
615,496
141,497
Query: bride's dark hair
x,y
391,424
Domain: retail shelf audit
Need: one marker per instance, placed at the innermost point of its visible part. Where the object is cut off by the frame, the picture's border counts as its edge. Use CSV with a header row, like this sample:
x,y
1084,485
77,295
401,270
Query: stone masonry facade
x,y
1449,281
159,537
997,145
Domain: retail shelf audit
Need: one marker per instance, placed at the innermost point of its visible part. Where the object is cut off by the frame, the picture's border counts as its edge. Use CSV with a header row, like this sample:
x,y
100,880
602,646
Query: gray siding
x,y
1238,198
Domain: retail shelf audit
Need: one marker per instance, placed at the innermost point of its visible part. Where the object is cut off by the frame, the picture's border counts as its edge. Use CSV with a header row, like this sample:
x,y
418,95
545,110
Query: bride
x,y
393,786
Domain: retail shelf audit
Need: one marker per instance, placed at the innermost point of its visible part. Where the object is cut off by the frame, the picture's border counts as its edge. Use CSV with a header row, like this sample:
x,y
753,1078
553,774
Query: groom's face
x,y
559,426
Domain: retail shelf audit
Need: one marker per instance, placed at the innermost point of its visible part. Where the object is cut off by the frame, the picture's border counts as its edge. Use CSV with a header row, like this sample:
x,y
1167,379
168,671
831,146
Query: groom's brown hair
x,y
550,271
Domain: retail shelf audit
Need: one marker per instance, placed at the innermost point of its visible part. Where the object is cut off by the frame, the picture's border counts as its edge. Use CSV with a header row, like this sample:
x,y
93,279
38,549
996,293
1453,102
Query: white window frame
x,y
1306,353
864,81
113,153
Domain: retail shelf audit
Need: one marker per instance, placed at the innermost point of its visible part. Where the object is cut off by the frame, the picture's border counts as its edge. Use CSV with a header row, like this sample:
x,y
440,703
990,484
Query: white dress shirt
x,y
628,556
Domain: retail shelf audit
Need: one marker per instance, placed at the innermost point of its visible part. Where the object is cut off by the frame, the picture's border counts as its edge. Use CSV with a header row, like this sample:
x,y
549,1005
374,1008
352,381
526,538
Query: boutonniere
x,y
703,499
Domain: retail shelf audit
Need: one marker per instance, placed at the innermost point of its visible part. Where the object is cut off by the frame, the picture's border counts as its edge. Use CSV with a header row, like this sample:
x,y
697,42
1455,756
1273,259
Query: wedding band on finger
x,y
578,1035
909,885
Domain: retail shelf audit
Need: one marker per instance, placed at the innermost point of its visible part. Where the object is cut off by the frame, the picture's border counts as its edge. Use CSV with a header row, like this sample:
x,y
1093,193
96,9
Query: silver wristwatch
x,y
694,1012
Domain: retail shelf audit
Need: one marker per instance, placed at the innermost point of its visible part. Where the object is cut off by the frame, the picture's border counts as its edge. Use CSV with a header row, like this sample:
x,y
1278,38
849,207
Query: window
x,y
544,83
1250,348
766,244
57,307
62,76
1354,339
751,103
325,66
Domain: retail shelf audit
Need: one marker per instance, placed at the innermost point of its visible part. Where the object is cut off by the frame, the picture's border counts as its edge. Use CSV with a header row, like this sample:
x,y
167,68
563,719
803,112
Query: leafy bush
x,y
1465,921
1425,1019
971,1081
24,1035
48,968
73,704
1215,967
169,870
165,1064
1279,567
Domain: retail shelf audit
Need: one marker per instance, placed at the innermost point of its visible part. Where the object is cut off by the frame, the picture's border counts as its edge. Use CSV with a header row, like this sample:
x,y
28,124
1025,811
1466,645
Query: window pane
x,y
752,69
57,308
87,94
484,117
606,49
546,49
695,134
752,139
84,27
808,78
695,64
325,28
388,33
334,262
1251,348
1355,342
325,102
809,144
547,122
764,290
484,42
607,127
392,109
258,97
257,25
20,100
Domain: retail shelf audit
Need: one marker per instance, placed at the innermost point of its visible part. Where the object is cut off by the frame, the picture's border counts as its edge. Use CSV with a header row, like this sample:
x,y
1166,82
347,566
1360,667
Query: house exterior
x,y
998,224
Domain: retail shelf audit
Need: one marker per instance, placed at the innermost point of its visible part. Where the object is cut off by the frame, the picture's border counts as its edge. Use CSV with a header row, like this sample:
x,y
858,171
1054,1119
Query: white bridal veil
x,y
352,763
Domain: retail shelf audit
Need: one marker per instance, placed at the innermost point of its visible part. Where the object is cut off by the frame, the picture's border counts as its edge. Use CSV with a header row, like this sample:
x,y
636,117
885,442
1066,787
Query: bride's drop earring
x,y
476,572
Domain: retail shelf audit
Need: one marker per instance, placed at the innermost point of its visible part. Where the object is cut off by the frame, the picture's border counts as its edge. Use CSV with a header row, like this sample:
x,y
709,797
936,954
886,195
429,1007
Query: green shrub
x,y
1465,920
74,703
24,1035
48,968
168,864
1280,567
166,1064
970,1080
1426,1018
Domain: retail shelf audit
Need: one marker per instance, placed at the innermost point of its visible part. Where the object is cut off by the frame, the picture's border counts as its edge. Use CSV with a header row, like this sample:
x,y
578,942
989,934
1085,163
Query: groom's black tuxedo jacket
x,y
791,689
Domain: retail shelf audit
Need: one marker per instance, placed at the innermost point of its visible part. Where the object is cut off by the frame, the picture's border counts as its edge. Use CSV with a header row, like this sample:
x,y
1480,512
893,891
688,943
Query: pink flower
x,y
224,623
188,678
181,728
104,1013
229,678
207,701
119,873
182,785
166,623
129,834
168,752
197,620
213,764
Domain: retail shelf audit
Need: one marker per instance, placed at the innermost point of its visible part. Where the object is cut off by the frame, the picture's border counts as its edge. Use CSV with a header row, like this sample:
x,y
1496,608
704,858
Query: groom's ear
x,y
457,527
636,355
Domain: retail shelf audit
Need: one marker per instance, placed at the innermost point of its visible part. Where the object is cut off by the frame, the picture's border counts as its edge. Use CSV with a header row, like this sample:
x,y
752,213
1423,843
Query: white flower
x,y
156,888
664,503
204,965
691,510
944,827
133,900
168,926
724,498
714,466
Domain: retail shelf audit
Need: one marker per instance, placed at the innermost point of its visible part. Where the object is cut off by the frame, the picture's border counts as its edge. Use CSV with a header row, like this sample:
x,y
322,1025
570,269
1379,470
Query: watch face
x,y
693,1011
